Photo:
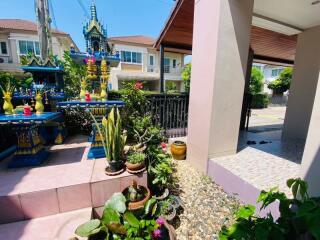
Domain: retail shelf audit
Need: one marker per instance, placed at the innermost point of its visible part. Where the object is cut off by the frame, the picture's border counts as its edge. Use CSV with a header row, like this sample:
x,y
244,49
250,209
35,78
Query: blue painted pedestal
x,y
30,150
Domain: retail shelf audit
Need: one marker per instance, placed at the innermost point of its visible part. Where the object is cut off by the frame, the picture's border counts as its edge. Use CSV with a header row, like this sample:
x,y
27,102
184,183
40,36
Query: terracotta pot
x,y
135,166
139,204
170,216
179,150
164,195
171,231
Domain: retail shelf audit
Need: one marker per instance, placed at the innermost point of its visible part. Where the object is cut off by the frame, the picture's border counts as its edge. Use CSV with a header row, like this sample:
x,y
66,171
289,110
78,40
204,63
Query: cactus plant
x,y
113,138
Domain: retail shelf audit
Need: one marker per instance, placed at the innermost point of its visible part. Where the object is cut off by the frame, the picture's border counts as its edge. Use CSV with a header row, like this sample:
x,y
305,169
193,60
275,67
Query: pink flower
x,y
164,146
156,234
160,221
138,85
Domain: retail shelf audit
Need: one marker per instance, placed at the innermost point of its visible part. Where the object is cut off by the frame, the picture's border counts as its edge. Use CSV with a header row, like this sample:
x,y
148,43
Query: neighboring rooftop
x,y
138,39
25,25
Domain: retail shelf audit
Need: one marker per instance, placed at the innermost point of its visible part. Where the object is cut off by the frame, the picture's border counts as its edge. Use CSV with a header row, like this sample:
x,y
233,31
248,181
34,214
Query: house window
x,y
26,47
276,72
174,63
131,57
151,60
166,65
3,48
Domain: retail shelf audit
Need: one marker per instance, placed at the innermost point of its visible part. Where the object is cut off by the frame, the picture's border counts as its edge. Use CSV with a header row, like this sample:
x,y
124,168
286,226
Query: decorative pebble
x,y
206,207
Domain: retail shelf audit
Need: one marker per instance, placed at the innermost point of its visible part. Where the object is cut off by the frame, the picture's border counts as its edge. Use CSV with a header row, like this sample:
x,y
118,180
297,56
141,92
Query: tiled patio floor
x,y
265,165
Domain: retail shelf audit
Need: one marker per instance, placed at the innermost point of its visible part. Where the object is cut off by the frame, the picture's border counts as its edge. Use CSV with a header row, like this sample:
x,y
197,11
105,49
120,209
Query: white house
x,y
140,61
19,37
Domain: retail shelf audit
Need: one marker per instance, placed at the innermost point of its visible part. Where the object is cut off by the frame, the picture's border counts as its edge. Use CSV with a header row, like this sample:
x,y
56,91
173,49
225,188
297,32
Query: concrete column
x,y
303,86
310,166
310,84
221,39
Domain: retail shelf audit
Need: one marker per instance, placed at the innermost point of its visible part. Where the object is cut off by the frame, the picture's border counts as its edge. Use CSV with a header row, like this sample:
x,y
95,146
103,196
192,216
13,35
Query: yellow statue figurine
x,y
104,80
7,105
83,90
39,105
103,93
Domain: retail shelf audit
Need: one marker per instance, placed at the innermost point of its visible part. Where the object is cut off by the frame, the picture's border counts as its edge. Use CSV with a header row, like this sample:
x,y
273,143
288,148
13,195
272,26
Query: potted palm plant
x,y
113,141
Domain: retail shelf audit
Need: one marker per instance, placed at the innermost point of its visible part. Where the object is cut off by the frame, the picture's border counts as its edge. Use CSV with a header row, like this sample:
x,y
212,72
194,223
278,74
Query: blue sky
x,y
123,17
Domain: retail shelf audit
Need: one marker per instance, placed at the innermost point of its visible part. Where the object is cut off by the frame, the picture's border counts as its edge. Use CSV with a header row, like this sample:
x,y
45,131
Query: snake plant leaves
x,y
117,202
89,228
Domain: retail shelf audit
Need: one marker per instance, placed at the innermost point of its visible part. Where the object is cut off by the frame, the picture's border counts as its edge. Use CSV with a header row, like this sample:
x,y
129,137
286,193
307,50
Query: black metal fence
x,y
170,111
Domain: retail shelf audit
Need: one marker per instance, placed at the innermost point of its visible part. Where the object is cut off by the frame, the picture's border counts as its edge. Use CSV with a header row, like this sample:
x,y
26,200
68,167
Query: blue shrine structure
x,y
98,58
95,35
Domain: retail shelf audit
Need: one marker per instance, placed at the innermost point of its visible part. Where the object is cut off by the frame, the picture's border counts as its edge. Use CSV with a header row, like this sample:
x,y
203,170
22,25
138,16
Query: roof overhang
x,y
176,36
272,41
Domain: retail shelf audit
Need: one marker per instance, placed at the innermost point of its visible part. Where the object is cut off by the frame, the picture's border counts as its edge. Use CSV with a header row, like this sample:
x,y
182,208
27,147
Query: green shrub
x,y
282,84
256,81
186,76
171,87
299,217
260,100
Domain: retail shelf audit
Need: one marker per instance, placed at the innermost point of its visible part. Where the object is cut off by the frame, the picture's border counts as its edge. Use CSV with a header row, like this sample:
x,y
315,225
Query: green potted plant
x,y
118,222
135,162
299,216
113,141
136,195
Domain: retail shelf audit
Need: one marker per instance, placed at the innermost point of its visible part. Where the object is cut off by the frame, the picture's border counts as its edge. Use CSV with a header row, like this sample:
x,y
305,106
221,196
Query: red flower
x,y
138,85
163,145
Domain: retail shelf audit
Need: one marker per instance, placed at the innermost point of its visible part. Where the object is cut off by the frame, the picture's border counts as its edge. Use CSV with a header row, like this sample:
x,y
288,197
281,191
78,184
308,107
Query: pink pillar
x,y
220,50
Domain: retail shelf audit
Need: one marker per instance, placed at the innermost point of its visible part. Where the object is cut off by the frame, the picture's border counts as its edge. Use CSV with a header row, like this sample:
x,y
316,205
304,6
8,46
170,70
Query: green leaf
x,y
89,228
149,205
117,227
117,202
295,189
246,211
261,232
131,219
110,215
290,182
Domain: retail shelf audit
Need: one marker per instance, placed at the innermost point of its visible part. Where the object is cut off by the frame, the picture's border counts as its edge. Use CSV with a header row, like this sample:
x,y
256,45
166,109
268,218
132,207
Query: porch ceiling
x,y
275,42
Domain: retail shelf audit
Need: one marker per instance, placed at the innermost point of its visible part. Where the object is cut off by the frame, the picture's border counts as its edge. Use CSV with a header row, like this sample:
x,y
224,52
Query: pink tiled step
x,y
60,191
56,227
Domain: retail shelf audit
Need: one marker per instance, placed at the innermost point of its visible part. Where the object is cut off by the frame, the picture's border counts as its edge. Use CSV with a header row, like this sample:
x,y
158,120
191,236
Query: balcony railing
x,y
152,69
167,70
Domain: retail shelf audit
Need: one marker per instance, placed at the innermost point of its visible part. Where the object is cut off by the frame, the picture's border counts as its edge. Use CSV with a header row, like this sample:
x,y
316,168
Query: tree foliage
x,y
73,74
256,81
21,82
282,84
186,76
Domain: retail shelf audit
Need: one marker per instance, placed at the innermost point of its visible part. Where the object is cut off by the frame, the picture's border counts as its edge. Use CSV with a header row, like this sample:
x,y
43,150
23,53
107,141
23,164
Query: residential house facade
x,y
140,61
19,37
